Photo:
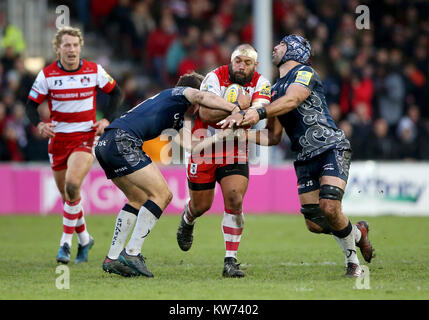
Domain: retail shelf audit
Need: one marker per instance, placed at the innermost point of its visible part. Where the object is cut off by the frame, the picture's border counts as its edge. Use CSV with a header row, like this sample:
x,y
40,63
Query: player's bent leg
x,y
69,220
60,181
150,180
127,216
315,220
200,202
78,165
124,224
234,188
330,195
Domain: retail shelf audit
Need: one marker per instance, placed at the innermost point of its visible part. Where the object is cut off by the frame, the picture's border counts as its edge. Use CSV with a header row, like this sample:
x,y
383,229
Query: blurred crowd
x,y
376,79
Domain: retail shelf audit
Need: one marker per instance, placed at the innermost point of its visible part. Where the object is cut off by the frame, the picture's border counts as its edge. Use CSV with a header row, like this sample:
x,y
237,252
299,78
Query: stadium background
x,y
376,84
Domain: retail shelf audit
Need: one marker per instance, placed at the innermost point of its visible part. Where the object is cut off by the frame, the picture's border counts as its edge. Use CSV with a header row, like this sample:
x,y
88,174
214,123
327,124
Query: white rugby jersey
x,y
71,95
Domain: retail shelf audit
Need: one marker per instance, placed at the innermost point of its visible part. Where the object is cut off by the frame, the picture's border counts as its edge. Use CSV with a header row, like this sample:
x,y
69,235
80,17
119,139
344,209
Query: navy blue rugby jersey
x,y
310,127
148,119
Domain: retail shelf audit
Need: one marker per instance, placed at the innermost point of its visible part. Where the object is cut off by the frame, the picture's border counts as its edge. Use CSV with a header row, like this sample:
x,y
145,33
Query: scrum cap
x,y
298,49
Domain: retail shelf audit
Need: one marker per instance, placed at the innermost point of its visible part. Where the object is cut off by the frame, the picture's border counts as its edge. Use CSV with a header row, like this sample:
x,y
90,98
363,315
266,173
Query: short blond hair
x,y
75,32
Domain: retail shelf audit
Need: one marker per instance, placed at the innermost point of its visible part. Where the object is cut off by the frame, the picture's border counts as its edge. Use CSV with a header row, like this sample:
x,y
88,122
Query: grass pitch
x,y
282,260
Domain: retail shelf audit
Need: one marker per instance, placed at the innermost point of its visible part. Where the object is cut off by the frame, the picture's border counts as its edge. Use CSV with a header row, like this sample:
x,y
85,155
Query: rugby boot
x,y
63,255
114,266
184,234
231,268
364,245
82,251
136,263
353,270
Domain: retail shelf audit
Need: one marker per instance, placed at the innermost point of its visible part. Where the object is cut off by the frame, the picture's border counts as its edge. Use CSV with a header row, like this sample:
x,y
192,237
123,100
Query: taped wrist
x,y
235,108
262,112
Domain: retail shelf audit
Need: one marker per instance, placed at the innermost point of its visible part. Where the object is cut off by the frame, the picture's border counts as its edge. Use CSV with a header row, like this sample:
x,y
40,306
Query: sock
x,y
71,213
232,228
148,216
81,231
357,233
124,224
188,216
346,240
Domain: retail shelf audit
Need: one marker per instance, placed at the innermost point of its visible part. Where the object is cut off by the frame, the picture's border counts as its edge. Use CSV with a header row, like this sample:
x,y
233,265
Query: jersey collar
x,y
62,68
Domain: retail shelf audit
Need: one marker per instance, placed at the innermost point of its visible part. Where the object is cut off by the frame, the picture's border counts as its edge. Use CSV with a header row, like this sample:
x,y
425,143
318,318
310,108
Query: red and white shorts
x,y
64,144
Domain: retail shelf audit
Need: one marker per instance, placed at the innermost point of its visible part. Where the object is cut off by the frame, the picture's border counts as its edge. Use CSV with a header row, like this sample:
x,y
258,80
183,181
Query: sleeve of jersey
x,y
263,90
211,84
305,77
104,81
179,94
39,90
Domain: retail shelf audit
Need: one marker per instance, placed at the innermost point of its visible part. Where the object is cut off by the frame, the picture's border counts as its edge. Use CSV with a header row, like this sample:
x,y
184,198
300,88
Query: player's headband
x,y
247,52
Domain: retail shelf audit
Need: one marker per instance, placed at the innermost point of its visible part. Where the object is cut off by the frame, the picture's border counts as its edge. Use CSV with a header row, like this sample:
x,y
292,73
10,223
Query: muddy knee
x,y
234,201
72,190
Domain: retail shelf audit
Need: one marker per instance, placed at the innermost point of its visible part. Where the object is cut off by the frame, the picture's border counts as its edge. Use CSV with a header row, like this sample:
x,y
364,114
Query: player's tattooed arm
x,y
244,101
210,100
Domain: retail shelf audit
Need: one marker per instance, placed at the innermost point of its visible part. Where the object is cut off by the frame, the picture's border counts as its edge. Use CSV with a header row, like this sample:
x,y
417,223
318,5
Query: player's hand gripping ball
x,y
236,94
232,92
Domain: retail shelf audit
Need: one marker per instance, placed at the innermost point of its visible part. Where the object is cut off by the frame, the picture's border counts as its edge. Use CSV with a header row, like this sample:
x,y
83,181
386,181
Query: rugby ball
x,y
231,93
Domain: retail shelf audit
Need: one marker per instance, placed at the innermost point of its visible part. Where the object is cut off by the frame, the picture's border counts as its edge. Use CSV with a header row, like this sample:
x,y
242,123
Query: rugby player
x,y
229,168
119,152
324,154
70,85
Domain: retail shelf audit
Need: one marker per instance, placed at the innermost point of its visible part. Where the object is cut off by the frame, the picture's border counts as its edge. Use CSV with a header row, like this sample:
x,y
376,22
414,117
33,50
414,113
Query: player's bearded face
x,y
241,70
69,51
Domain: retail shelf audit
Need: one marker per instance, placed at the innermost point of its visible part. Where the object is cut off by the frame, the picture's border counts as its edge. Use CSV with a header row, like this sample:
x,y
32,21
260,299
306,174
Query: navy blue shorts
x,y
120,153
330,163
